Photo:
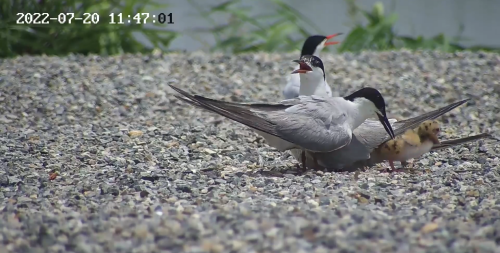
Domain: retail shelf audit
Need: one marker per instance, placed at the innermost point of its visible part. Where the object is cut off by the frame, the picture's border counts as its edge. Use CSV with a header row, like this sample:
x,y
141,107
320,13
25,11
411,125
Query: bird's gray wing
x,y
371,133
236,111
292,87
343,157
317,124
311,122
365,138
415,121
454,142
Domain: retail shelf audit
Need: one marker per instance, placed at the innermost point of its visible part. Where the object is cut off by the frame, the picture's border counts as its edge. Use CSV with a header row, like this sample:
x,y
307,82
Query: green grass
x,y
378,34
78,38
281,31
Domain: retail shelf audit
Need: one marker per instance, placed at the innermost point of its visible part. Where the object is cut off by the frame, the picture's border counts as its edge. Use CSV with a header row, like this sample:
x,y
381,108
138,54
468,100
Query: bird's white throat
x,y
319,48
362,109
312,84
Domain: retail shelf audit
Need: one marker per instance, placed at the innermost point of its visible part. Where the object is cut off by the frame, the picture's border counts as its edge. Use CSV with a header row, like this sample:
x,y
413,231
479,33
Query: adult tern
x,y
312,46
368,136
310,123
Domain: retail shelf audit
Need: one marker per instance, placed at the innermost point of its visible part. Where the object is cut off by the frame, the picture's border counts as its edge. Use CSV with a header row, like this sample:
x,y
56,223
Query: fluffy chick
x,y
412,144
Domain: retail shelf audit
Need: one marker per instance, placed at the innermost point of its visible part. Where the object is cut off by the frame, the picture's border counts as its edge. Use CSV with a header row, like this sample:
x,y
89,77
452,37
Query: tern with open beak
x,y
312,46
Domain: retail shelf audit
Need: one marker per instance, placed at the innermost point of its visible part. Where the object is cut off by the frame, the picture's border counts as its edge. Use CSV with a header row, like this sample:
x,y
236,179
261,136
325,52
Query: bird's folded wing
x,y
310,122
317,124
371,133
292,87
237,112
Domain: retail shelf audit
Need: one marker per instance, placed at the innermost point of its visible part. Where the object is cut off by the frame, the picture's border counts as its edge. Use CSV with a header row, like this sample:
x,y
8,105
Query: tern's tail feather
x,y
450,143
237,112
233,105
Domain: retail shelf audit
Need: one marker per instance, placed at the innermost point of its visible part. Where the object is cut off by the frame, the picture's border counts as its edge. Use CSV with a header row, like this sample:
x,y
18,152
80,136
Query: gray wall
x,y
480,18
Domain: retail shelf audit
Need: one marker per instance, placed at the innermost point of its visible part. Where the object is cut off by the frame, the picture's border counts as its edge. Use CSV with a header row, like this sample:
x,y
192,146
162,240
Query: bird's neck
x,y
311,85
361,110
317,51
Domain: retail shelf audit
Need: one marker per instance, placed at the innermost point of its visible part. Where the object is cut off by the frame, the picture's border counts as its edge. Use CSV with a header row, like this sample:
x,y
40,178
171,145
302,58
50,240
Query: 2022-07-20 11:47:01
x,y
140,18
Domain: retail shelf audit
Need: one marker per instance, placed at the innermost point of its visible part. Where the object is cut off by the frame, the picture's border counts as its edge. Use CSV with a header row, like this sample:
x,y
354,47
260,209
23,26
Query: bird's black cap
x,y
311,44
376,98
311,60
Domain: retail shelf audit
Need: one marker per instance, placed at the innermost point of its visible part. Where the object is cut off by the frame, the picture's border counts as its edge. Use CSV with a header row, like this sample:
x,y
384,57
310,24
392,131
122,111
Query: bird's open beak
x,y
385,122
304,68
331,37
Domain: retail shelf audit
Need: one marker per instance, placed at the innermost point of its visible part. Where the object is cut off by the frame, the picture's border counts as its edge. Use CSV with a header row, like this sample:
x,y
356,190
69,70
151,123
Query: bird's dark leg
x,y
315,160
303,160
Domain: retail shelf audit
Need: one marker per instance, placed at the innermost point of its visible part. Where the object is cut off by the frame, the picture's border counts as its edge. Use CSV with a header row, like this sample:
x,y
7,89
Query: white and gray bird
x,y
310,123
368,136
312,46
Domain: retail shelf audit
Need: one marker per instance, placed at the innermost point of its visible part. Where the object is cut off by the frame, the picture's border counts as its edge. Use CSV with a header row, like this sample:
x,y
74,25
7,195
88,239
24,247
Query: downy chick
x,y
412,144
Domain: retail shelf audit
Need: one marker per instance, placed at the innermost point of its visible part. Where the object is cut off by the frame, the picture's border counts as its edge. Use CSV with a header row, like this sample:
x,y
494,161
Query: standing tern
x,y
312,46
311,123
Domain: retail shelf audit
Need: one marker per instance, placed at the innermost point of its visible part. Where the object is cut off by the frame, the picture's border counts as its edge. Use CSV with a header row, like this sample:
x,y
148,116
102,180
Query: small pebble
x,y
192,181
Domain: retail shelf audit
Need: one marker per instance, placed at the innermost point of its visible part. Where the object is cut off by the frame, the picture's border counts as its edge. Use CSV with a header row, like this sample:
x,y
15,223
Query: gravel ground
x,y
98,156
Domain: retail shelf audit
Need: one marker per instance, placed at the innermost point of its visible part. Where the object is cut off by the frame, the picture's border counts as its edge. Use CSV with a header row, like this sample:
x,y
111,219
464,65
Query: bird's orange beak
x,y
331,37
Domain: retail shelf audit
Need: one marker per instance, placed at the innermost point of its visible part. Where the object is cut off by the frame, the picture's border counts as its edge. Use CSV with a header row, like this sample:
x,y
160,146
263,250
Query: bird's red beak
x,y
304,68
331,37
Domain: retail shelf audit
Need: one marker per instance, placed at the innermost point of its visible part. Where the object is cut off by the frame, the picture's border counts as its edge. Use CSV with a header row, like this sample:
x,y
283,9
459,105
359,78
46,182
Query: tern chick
x,y
412,144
